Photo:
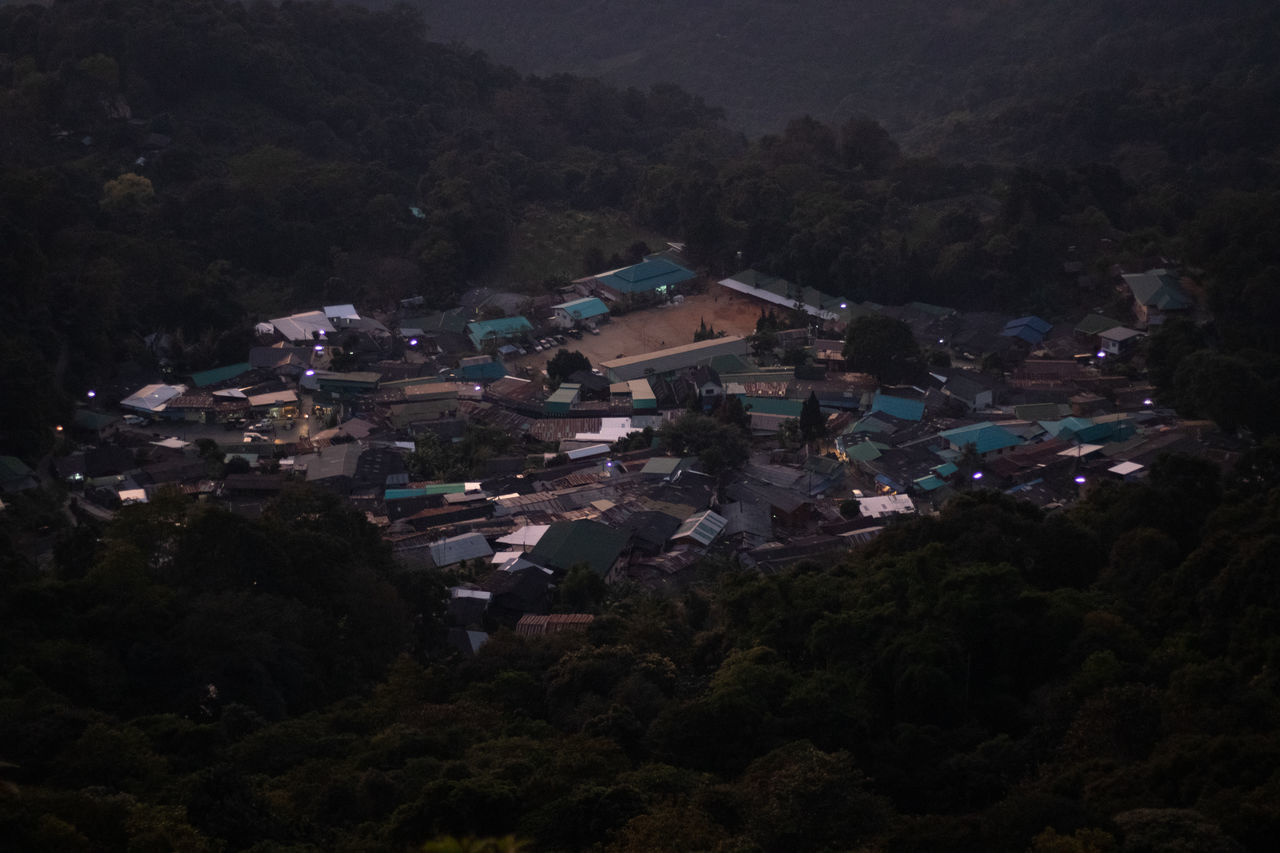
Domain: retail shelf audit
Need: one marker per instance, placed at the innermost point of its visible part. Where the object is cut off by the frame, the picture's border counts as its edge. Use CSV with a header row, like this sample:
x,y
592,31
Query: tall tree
x,y
883,347
813,424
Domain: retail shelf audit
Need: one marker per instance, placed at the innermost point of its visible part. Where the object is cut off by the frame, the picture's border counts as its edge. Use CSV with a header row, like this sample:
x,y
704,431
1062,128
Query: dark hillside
x,y
907,64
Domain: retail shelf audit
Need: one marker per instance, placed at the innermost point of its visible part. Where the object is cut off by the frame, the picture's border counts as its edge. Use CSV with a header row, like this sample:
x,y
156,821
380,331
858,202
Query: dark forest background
x,y
994,679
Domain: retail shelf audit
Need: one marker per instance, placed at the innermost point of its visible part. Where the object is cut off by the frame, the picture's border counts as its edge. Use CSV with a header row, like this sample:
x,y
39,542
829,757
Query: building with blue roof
x,y
902,408
1030,329
652,276
987,439
481,332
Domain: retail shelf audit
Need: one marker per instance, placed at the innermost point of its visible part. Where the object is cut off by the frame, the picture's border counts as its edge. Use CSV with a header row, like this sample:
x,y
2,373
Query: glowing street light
x,y
92,394
1102,353
478,388
319,347
311,373
413,342
977,475
1148,402
1080,479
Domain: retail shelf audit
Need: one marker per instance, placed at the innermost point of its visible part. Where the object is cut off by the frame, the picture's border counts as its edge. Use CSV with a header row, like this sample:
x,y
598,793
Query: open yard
x,y
659,328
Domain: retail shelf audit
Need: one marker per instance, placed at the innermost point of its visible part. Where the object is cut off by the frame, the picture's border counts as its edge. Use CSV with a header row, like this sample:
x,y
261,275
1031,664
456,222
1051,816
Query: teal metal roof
x,y
584,309
898,407
929,483
504,327
985,438
863,451
487,372
425,491
773,406
219,374
648,275
946,469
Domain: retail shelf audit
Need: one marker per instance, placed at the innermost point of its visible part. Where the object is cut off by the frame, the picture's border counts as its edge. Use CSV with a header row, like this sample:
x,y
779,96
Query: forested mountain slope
x,y
906,63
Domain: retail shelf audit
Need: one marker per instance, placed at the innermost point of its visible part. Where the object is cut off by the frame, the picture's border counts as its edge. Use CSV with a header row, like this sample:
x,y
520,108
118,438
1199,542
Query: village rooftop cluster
x,y
340,400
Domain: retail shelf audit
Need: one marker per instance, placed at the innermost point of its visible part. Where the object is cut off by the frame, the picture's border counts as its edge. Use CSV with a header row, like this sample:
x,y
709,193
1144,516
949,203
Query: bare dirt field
x,y
660,328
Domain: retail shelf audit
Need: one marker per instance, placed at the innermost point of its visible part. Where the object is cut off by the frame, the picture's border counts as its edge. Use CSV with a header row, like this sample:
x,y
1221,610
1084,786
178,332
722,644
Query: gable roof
x,y
567,543
300,327
648,275
1031,329
583,309
455,549
1158,289
503,327
898,407
702,528
985,437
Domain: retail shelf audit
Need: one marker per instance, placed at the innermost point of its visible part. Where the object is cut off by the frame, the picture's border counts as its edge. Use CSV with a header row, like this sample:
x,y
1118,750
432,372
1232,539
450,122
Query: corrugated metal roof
x,y
455,549
898,407
702,528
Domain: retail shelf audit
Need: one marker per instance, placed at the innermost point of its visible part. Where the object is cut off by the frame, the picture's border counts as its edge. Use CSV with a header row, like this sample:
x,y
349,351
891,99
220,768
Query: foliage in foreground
x,y
990,679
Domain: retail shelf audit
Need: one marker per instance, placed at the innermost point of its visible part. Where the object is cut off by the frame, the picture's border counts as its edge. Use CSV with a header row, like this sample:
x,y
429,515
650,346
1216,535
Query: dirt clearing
x,y
660,328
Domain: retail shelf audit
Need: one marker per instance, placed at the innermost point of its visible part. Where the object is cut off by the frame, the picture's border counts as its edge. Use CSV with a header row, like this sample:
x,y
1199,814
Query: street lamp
x,y
1080,479
977,475
92,394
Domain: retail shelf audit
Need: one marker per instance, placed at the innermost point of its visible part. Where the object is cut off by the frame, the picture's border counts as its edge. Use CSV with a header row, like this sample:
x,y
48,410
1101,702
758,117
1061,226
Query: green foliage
x,y
719,446
883,347
564,364
813,424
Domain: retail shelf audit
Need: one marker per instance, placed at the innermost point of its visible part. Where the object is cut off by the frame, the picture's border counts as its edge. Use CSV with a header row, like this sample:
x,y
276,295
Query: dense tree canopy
x,y
883,347
992,678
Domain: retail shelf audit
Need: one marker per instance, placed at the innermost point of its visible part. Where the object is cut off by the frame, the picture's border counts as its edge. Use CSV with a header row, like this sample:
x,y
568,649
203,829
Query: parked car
x,y
134,420
593,330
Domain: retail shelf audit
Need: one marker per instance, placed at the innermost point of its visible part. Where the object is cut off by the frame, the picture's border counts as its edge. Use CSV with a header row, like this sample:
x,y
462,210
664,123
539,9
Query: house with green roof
x,y
1157,295
217,375
568,543
651,277
987,439
481,332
